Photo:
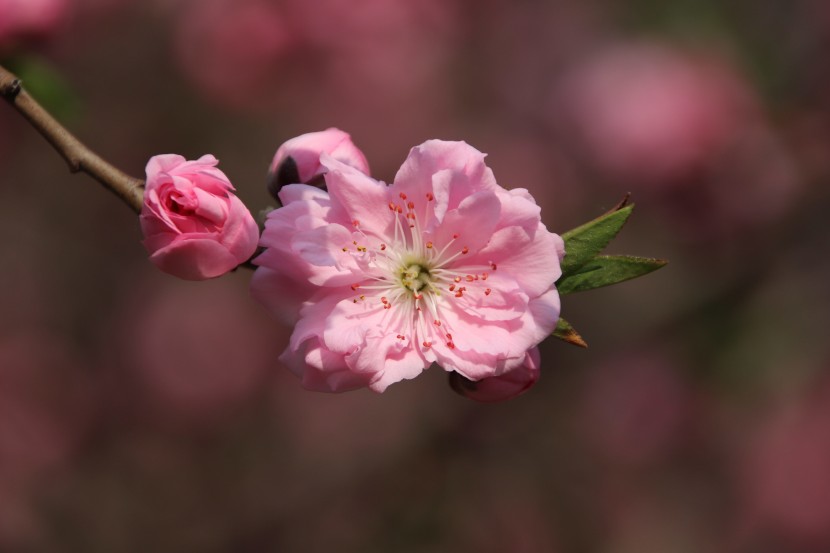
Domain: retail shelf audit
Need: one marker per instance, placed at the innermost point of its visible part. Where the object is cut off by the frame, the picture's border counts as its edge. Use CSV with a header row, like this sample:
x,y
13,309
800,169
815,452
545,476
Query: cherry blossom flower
x,y
443,266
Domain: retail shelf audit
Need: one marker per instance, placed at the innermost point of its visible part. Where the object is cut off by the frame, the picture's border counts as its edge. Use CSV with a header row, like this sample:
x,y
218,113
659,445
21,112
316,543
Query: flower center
x,y
414,280
414,277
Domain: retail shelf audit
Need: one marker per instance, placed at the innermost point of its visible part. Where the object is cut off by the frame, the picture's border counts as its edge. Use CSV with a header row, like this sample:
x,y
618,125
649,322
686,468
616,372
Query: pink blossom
x,y
636,408
444,266
197,352
213,53
652,113
298,160
786,470
27,18
194,226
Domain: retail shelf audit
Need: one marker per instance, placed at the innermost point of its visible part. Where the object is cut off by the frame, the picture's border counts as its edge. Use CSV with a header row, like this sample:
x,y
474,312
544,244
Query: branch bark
x,y
77,155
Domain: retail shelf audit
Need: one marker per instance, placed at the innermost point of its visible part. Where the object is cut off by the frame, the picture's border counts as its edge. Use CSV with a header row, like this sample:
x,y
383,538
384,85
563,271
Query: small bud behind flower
x,y
297,161
503,387
194,227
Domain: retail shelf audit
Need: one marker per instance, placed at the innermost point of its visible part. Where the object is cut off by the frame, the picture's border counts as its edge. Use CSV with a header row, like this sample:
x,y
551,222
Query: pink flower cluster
x,y
381,281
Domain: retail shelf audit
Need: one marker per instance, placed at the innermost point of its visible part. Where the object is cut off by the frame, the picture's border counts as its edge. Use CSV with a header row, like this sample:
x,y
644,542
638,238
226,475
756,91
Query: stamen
x,y
487,292
430,197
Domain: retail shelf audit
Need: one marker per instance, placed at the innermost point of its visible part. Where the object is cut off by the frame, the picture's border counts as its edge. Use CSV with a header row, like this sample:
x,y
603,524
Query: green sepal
x,y
583,243
604,270
565,332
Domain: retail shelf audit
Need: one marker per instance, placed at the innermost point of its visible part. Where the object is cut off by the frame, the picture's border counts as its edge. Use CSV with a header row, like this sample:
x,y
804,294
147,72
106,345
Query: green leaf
x,y
583,243
46,85
604,270
564,331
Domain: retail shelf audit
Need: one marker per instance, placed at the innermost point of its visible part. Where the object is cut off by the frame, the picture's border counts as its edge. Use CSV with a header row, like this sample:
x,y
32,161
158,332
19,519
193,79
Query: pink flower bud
x,y
298,160
503,387
194,226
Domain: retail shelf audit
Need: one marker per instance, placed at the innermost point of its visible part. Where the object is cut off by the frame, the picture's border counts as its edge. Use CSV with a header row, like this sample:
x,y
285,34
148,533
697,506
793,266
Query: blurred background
x,y
143,413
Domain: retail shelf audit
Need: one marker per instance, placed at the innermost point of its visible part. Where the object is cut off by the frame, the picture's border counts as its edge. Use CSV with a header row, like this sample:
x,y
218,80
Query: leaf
x,y
584,242
604,270
46,85
564,331
621,204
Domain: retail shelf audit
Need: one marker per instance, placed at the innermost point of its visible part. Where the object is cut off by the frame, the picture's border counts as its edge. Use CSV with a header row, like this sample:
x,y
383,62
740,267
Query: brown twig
x,y
77,155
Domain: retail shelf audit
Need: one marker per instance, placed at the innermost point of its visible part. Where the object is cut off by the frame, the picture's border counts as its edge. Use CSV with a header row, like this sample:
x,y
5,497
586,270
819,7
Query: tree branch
x,y
77,155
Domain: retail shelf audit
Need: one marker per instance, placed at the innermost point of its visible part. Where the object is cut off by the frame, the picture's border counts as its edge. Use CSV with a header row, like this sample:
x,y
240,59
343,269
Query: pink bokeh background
x,y
143,413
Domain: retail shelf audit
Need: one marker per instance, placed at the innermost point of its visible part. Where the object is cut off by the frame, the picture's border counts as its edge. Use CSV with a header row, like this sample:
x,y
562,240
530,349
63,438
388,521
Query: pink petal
x,y
532,259
357,200
473,221
194,259
470,173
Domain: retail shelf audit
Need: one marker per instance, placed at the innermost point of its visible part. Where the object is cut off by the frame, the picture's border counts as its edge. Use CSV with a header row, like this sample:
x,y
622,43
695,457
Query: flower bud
x,y
298,160
194,226
503,387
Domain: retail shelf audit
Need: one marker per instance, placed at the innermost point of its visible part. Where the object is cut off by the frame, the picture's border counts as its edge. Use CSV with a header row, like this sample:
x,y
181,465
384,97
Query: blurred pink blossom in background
x,y
232,49
355,68
21,20
786,471
46,407
197,352
636,409
651,114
